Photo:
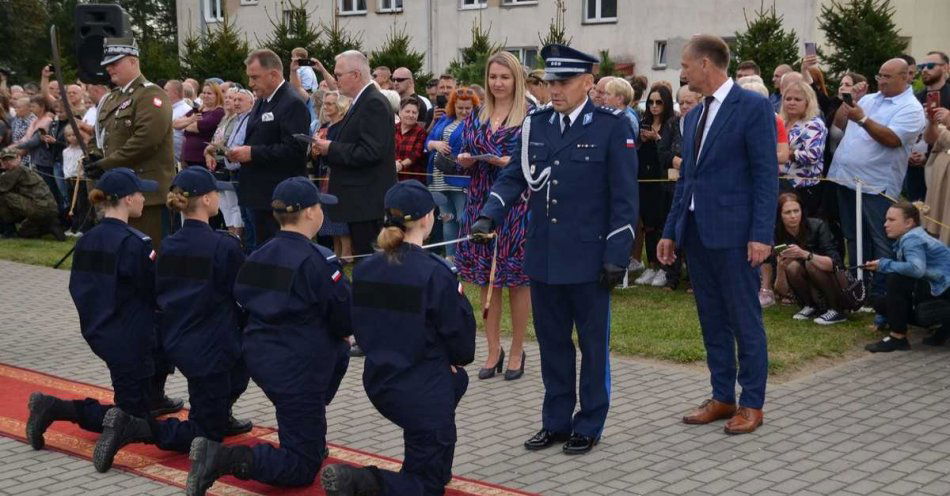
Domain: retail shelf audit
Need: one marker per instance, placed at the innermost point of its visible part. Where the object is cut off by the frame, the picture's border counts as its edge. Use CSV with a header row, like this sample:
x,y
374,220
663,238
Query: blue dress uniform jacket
x,y
200,322
414,322
583,209
113,286
298,304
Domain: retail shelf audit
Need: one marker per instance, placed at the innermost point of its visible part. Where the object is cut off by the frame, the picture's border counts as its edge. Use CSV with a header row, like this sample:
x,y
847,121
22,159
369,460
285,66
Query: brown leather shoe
x,y
710,411
745,421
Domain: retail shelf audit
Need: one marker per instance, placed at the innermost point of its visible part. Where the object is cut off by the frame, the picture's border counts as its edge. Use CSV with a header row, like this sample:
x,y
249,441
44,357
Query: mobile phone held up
x,y
303,62
811,48
847,98
441,101
933,100
780,248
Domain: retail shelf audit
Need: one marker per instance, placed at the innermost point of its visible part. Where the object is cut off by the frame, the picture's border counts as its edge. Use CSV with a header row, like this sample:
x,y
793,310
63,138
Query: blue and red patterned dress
x,y
472,259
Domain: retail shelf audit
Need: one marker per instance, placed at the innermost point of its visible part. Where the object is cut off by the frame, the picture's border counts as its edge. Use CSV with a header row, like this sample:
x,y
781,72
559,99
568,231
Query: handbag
x,y
445,164
854,293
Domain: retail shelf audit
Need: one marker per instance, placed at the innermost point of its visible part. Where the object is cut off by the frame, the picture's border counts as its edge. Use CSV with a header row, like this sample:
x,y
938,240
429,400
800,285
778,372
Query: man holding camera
x,y
135,120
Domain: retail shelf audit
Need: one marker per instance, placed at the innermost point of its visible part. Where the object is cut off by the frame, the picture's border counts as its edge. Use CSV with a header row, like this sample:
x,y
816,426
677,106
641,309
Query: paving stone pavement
x,y
876,425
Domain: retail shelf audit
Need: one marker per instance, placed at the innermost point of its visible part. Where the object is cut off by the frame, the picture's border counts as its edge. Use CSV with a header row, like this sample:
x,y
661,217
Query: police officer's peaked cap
x,y
114,49
563,62
196,181
412,199
297,193
8,152
120,182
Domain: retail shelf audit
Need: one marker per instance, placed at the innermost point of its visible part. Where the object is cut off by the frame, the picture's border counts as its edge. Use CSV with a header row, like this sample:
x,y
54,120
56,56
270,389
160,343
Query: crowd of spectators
x,y
885,139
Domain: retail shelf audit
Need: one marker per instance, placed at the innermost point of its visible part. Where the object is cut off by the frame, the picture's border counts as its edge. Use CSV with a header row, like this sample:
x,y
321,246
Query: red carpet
x,y
166,466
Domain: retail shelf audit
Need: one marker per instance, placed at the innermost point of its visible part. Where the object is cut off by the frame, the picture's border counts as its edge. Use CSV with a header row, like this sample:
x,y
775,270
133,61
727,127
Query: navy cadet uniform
x,y
200,323
582,170
112,283
298,304
414,323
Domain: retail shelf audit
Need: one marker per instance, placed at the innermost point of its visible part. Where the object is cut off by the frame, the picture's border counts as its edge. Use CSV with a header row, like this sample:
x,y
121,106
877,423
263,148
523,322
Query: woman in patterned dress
x,y
806,141
496,130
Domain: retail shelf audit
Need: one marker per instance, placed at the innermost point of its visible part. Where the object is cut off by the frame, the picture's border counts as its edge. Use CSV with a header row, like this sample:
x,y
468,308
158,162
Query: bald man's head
x,y
402,82
892,78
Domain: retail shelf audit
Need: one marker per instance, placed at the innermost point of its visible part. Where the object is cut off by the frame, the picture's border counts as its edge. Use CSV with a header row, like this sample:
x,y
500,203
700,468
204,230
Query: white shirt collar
x,y
125,89
275,91
575,113
360,93
723,91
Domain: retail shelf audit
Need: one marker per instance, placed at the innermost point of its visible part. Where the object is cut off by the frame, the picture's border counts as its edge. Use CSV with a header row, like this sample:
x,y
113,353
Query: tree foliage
x,y
557,32
766,42
335,39
397,51
218,52
861,35
292,29
469,67
606,66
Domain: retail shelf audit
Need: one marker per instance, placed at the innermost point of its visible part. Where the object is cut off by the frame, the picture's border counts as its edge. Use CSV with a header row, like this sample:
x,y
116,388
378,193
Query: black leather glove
x,y
91,167
482,229
611,275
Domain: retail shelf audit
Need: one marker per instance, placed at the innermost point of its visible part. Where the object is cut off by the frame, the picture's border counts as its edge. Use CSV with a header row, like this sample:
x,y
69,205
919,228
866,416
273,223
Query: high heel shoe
x,y
512,374
491,371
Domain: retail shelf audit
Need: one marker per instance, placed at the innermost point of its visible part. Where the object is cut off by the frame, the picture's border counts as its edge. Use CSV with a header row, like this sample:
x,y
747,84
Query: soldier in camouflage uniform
x,y
134,128
26,199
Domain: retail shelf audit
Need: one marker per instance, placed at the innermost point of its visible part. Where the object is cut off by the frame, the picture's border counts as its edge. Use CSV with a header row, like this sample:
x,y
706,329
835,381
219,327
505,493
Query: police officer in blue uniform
x,y
112,284
200,323
417,329
580,165
295,347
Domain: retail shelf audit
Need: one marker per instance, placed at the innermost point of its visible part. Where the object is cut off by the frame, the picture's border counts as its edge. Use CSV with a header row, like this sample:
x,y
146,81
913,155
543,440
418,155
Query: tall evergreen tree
x,y
397,51
861,35
335,39
606,66
766,42
557,32
219,52
469,67
291,30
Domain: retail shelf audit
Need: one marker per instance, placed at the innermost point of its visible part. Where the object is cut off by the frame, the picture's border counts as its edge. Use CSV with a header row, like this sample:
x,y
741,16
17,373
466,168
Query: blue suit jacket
x,y
586,214
735,182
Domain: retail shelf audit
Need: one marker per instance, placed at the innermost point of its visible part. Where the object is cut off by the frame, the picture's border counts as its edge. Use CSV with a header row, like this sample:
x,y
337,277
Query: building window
x,y
474,4
528,56
512,3
390,6
600,11
350,7
248,2
213,11
659,54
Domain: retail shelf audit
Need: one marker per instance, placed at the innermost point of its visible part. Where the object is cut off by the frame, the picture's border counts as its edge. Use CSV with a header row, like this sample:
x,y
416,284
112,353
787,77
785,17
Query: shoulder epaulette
x,y
138,234
541,110
610,110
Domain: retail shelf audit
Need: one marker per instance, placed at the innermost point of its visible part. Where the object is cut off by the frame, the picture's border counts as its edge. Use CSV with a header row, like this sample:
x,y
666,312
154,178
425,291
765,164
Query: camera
x,y
303,62
441,101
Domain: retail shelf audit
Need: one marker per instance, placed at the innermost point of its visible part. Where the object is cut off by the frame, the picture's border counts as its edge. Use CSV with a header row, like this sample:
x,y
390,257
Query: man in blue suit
x,y
723,215
579,162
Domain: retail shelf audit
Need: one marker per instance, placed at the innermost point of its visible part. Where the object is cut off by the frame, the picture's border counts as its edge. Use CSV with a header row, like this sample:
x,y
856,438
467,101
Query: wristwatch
x,y
810,256
863,121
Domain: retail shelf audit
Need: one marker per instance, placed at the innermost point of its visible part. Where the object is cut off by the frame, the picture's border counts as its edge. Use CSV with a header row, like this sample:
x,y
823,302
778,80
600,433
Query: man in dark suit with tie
x,y
362,157
270,152
723,215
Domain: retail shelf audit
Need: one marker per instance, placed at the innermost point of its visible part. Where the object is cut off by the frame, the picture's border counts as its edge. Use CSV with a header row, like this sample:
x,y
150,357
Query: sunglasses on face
x,y
928,65
398,80
656,102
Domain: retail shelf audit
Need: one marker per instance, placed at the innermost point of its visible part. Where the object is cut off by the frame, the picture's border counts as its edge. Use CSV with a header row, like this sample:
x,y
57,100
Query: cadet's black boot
x,y
44,410
118,429
345,480
211,460
237,426
166,405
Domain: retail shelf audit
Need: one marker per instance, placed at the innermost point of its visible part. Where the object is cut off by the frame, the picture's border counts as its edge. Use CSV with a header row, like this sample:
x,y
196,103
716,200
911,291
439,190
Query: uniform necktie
x,y
698,141
567,125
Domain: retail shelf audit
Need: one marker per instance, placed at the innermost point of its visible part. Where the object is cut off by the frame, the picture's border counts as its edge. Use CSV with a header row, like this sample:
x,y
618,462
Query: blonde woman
x,y
495,130
806,142
332,110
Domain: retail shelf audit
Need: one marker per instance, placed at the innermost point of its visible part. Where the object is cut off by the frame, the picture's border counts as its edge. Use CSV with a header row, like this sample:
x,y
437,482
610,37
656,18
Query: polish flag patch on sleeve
x,y
151,256
630,143
461,289
337,276
157,102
